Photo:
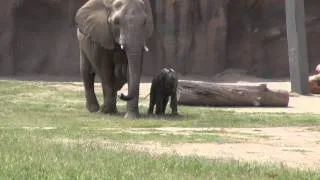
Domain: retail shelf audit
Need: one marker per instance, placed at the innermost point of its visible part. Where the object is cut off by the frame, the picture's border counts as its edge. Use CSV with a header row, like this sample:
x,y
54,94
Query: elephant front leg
x,y
174,104
132,109
151,104
110,99
88,76
152,99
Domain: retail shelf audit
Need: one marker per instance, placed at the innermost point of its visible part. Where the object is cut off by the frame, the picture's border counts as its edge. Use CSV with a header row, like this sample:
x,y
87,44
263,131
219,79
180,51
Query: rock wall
x,y
200,37
6,38
257,36
190,36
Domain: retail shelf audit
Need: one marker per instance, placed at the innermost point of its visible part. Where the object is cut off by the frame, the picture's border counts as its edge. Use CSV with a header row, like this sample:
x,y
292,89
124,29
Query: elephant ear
x,y
149,24
92,20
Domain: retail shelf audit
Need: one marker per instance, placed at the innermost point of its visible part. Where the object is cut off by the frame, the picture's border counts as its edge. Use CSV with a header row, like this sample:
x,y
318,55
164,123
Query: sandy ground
x,y
293,146
296,147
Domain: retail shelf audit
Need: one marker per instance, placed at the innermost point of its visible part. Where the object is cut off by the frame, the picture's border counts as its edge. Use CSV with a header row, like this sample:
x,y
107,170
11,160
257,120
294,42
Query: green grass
x,y
26,156
43,104
34,116
123,136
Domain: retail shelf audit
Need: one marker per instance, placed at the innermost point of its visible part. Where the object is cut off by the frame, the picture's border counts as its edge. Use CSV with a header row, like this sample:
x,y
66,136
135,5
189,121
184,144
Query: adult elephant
x,y
112,37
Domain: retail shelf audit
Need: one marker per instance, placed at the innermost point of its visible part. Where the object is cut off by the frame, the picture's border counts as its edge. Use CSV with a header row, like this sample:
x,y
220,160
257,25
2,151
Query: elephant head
x,y
124,23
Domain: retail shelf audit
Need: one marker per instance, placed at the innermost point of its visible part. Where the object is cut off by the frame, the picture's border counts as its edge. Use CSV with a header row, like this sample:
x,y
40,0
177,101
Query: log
x,y
196,93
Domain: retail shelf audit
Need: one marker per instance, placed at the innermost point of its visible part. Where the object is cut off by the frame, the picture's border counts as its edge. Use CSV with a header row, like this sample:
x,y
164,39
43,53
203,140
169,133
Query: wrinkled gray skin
x,y
164,85
112,36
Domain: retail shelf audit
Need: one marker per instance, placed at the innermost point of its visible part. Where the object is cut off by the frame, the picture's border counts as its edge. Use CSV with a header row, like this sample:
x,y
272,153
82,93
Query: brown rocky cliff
x,y
194,37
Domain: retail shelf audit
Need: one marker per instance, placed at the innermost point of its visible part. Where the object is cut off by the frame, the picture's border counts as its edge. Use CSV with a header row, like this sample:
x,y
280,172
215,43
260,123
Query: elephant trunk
x,y
135,57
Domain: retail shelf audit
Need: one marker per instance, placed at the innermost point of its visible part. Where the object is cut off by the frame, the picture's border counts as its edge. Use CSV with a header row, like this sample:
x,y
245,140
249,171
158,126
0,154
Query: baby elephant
x,y
164,85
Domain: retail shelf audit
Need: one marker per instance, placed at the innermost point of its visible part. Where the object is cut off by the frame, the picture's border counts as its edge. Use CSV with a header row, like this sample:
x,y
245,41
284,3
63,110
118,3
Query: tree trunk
x,y
195,93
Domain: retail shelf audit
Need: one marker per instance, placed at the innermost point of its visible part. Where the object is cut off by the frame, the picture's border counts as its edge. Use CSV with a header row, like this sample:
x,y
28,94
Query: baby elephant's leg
x,y
164,104
174,104
151,103
159,104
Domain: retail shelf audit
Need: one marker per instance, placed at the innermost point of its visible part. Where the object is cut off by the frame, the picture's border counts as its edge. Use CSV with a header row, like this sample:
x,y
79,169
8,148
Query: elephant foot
x,y
92,107
109,109
131,115
174,113
160,113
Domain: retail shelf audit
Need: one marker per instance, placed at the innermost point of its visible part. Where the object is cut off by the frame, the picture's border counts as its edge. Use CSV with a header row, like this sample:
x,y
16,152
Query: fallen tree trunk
x,y
195,93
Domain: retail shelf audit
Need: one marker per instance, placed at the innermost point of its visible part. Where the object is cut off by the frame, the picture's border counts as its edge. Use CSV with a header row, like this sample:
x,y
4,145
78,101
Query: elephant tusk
x,y
146,48
122,47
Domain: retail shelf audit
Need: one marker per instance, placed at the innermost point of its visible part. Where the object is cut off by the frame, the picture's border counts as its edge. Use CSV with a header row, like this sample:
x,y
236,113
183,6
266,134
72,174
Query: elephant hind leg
x,y
88,76
164,104
120,74
117,71
174,104
159,105
120,62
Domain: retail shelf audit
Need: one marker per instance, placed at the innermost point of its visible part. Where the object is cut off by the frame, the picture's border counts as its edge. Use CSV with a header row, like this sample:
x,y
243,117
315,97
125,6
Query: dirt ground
x,y
297,147
293,146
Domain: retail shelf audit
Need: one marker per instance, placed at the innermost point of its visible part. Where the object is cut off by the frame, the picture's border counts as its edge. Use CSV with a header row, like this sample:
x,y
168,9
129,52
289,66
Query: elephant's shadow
x,y
170,117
